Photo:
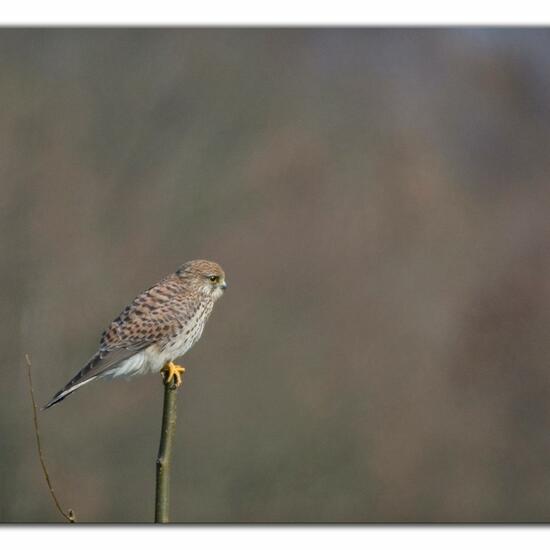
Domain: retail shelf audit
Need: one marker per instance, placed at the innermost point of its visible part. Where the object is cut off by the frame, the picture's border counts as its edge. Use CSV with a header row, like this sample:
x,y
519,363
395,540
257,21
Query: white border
x,y
280,12
277,537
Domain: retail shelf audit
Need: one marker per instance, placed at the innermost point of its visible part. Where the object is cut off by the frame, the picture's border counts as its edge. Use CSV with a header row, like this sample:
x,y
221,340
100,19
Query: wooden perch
x,y
164,458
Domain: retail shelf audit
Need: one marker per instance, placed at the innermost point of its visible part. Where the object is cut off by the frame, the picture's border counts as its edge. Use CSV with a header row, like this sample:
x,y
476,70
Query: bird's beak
x,y
223,286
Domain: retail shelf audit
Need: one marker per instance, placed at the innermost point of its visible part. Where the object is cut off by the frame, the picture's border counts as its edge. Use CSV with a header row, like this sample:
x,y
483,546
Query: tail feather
x,y
82,377
65,392
99,365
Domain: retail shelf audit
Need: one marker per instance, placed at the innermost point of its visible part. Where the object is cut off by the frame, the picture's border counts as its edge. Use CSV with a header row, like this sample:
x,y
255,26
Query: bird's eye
x,y
213,278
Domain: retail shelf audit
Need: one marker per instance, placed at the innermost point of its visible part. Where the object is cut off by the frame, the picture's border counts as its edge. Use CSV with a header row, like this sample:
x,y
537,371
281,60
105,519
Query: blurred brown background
x,y
379,200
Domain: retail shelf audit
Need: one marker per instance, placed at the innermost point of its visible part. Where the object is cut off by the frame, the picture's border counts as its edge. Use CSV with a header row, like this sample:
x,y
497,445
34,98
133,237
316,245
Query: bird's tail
x,y
79,380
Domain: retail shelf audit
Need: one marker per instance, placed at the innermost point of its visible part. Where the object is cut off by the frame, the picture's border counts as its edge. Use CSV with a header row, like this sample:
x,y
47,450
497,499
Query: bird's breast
x,y
191,328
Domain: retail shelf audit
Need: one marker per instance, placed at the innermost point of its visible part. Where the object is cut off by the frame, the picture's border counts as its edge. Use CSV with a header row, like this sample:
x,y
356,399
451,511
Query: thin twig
x,y
70,515
164,459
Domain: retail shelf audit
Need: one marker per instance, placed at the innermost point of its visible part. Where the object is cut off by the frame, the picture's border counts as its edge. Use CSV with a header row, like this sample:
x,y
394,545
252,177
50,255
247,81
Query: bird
x,y
158,326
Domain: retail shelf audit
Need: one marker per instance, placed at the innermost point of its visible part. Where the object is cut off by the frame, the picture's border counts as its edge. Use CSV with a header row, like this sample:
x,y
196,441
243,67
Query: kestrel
x,y
160,325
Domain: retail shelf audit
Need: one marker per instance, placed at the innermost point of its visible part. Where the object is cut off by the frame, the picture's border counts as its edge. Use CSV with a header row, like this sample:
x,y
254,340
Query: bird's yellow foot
x,y
171,371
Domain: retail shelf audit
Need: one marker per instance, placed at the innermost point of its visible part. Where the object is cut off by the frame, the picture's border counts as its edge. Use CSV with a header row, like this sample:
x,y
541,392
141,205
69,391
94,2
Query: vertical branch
x,y
70,515
164,458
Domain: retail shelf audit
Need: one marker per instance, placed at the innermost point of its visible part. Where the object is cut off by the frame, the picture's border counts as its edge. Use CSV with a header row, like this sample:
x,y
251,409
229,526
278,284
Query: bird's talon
x,y
172,371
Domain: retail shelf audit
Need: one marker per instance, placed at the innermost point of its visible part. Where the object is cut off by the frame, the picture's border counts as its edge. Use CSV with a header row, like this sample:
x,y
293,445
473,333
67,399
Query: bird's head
x,y
204,276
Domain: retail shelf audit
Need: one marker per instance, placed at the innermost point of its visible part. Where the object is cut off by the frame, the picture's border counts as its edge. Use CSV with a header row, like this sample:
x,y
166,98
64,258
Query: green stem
x,y
164,458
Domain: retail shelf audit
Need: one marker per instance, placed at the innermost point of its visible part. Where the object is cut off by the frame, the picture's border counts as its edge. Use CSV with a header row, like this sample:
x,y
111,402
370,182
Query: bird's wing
x,y
150,319
134,330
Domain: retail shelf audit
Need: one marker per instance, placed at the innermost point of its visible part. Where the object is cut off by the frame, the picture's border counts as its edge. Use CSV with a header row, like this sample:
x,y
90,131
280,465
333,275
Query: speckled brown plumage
x,y
162,323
